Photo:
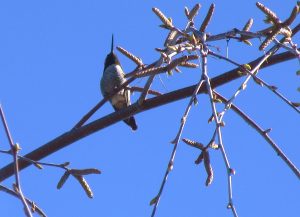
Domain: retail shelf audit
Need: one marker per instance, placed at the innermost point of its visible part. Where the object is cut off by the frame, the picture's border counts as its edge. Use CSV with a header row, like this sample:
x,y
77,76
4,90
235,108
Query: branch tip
x,y
167,23
194,12
207,18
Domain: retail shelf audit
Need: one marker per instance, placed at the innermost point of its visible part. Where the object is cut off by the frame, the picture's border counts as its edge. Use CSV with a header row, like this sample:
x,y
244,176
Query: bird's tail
x,y
131,122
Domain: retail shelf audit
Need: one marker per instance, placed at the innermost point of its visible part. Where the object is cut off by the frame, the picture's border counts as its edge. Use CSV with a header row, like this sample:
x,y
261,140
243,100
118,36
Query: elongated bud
x,y
163,18
292,17
208,168
269,39
170,39
199,158
37,165
270,14
296,104
150,71
135,59
187,12
189,65
154,200
194,12
180,60
193,143
84,185
248,25
85,171
207,18
63,180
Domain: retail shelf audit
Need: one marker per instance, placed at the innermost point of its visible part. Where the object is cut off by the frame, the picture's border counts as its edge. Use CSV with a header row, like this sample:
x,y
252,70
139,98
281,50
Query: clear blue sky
x,y
51,60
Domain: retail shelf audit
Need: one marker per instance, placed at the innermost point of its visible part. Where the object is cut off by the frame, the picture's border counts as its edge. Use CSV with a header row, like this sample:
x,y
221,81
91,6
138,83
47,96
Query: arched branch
x,y
74,135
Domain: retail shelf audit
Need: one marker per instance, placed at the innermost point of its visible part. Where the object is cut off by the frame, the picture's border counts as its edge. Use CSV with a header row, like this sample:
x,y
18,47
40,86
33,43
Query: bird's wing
x,y
121,76
127,97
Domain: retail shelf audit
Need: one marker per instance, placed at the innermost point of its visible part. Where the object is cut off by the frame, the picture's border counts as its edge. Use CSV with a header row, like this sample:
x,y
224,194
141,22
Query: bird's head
x,y
111,58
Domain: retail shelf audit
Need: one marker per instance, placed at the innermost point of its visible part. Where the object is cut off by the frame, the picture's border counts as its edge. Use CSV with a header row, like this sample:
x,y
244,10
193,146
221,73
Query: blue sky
x,y
51,59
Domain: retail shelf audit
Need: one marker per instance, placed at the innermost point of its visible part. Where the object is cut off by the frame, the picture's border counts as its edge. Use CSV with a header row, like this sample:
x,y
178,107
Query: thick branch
x,y
79,133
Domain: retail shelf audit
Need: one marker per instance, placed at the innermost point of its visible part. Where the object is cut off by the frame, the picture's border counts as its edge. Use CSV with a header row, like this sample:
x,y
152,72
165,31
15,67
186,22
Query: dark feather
x,y
129,121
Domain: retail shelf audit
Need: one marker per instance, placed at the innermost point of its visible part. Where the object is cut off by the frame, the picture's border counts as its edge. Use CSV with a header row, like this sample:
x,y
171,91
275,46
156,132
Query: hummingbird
x,y
112,78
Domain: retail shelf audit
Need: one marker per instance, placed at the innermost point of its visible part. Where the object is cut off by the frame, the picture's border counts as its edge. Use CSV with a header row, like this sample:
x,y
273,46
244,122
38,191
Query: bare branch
x,y
140,89
175,142
263,133
14,150
219,134
33,205
258,80
75,134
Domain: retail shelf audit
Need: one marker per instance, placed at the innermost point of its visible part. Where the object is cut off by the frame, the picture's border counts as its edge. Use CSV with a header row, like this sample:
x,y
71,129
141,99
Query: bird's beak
x,y
112,43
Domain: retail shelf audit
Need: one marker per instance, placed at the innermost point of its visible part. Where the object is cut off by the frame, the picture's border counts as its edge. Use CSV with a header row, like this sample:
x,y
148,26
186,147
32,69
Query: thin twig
x,y
14,150
78,174
218,129
253,71
140,89
33,204
158,63
146,89
259,80
243,34
258,64
263,133
63,166
149,81
218,118
295,51
175,142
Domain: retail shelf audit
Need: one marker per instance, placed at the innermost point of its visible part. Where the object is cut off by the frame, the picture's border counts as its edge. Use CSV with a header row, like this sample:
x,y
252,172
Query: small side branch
x,y
263,133
257,80
219,132
146,89
101,103
14,150
33,205
140,89
253,71
155,201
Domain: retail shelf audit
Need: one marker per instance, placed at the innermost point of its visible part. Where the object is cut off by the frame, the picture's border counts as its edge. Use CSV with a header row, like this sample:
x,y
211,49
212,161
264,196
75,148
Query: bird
x,y
113,77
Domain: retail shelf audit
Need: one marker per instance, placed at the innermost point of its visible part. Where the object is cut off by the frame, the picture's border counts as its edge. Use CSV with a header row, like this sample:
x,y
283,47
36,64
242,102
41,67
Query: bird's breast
x,y
113,77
